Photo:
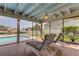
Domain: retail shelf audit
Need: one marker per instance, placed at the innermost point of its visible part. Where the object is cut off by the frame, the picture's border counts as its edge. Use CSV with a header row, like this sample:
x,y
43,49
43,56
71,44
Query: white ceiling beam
x,y
64,17
51,9
69,11
74,9
33,8
64,8
16,8
69,5
9,13
20,6
43,12
42,9
30,9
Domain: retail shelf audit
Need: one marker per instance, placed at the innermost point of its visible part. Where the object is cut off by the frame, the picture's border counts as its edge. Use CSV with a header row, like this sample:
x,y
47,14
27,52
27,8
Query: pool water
x,y
10,39
5,39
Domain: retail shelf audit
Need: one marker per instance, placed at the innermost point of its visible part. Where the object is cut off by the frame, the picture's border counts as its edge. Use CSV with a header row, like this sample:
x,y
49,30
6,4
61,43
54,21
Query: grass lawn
x,y
67,39
77,40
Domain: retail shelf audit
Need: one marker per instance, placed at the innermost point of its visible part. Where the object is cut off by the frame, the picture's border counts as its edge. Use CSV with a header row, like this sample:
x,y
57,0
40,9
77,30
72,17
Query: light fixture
x,y
46,16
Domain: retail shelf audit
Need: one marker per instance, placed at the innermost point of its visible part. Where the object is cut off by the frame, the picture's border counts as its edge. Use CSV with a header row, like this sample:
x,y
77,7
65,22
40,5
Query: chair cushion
x,y
35,44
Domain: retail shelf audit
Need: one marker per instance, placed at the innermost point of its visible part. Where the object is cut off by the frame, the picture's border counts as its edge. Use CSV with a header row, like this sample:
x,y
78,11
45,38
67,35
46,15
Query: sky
x,y
12,22
72,22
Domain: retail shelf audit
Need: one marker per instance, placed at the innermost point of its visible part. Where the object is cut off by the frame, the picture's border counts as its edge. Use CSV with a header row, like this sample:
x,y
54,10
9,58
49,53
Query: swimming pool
x,y
11,39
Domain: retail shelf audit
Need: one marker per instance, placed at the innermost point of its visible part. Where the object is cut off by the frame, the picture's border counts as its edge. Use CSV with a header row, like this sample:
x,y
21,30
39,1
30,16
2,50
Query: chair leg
x,y
53,53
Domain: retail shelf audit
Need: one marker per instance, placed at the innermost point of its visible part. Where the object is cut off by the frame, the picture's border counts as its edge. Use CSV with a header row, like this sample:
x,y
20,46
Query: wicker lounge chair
x,y
42,48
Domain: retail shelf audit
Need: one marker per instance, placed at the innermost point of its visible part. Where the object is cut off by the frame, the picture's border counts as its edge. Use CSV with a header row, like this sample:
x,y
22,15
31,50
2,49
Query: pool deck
x,y
17,49
68,49
7,35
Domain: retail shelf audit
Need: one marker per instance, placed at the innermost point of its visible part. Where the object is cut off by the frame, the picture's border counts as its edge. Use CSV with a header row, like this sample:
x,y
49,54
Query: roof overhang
x,y
57,11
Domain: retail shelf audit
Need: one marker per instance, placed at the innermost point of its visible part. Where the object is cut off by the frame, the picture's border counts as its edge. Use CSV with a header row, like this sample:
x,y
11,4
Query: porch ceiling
x,y
36,11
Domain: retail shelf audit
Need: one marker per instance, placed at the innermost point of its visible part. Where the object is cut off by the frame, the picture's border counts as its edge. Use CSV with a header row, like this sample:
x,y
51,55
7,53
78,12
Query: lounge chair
x,y
42,48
